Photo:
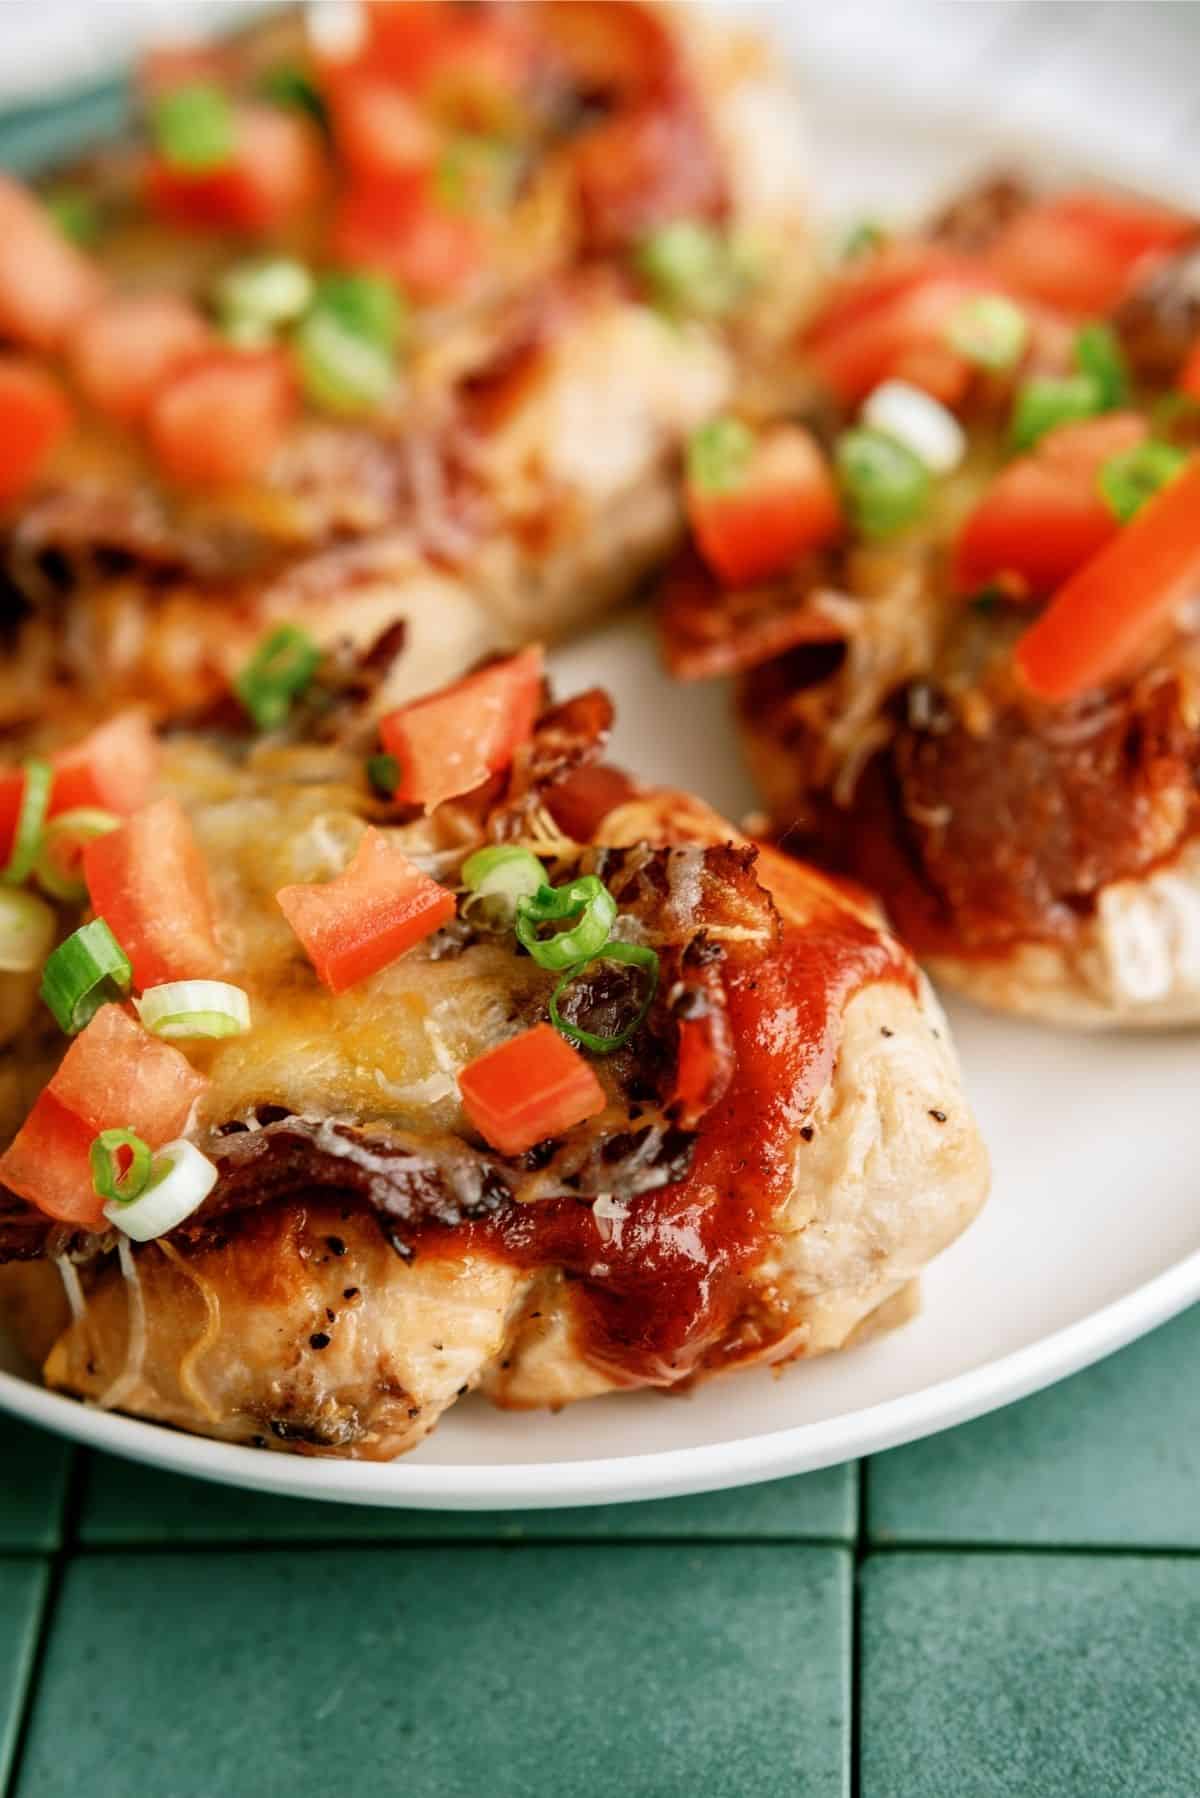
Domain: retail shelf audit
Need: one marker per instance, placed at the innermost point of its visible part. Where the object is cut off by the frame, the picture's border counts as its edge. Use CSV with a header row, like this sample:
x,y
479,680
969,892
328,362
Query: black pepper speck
x,y
318,1340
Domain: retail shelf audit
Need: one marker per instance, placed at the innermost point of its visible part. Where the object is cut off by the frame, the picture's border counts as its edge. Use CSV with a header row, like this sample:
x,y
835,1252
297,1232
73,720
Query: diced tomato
x,y
532,1087
1189,379
449,743
148,881
467,65
34,416
380,131
12,791
616,48
46,283
377,909
644,168
1044,515
897,309
398,229
123,350
277,174
784,504
48,1162
218,420
1096,624
117,1076
936,369
1082,251
115,767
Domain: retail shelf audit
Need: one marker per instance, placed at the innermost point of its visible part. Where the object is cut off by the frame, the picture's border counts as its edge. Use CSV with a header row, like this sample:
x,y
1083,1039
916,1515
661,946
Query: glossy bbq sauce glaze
x,y
664,1288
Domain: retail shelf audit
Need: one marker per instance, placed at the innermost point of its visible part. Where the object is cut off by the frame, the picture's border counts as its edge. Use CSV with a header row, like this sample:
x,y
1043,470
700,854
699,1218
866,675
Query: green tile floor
x,y
1013,1608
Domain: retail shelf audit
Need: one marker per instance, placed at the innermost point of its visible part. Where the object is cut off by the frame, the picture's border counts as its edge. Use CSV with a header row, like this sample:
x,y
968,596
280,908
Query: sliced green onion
x,y
719,455
885,485
503,872
77,214
108,1181
368,306
1046,401
1128,479
288,85
346,345
194,128
181,1179
26,932
35,797
58,858
990,330
383,772
1098,355
861,239
339,371
279,671
689,268
84,973
637,955
181,1008
264,294
587,900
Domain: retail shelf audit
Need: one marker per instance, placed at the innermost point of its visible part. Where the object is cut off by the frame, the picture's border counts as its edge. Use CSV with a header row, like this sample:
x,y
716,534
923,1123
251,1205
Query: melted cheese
x,y
388,1050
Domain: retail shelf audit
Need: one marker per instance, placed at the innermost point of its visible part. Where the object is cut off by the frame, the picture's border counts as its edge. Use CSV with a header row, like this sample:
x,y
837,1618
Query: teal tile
x,y
1111,1456
32,137
127,1504
33,1485
446,1673
1043,1676
22,1593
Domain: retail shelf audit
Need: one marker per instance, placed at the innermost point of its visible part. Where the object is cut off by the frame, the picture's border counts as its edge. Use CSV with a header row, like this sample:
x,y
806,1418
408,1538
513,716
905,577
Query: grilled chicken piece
x,y
363,1261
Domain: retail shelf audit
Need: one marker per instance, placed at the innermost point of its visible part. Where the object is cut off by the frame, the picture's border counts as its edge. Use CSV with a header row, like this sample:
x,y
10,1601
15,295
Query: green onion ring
x,y
107,1179
278,672
637,955
586,899
85,972
35,797
383,772
69,830
1131,477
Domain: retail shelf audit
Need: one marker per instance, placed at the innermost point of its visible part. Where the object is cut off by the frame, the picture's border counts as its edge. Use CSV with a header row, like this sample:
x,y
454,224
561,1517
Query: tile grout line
x,y
856,1643
56,1571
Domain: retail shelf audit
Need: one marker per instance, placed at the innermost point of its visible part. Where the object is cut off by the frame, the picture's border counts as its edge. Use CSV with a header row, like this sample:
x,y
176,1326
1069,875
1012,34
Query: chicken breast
x,y
518,477
783,1144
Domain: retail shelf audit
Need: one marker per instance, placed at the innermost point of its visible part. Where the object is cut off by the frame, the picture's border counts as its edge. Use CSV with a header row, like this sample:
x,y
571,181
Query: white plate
x,y
1092,1235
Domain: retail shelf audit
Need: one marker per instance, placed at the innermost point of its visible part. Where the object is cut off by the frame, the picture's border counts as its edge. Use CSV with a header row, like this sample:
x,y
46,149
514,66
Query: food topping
x,y
532,1087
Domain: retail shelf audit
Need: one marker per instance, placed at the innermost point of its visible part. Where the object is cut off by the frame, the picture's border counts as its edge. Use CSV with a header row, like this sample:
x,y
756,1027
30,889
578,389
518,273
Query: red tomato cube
x,y
148,881
123,350
46,283
532,1087
219,421
375,910
34,416
450,743
115,767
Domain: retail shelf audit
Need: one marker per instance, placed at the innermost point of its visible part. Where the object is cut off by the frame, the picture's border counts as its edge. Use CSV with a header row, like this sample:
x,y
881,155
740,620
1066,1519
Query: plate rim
x,y
404,1484
666,1473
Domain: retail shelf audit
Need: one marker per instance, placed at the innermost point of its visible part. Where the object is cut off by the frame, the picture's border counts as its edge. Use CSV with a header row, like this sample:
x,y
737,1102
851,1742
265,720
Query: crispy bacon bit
x,y
709,630
973,218
1159,323
566,738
